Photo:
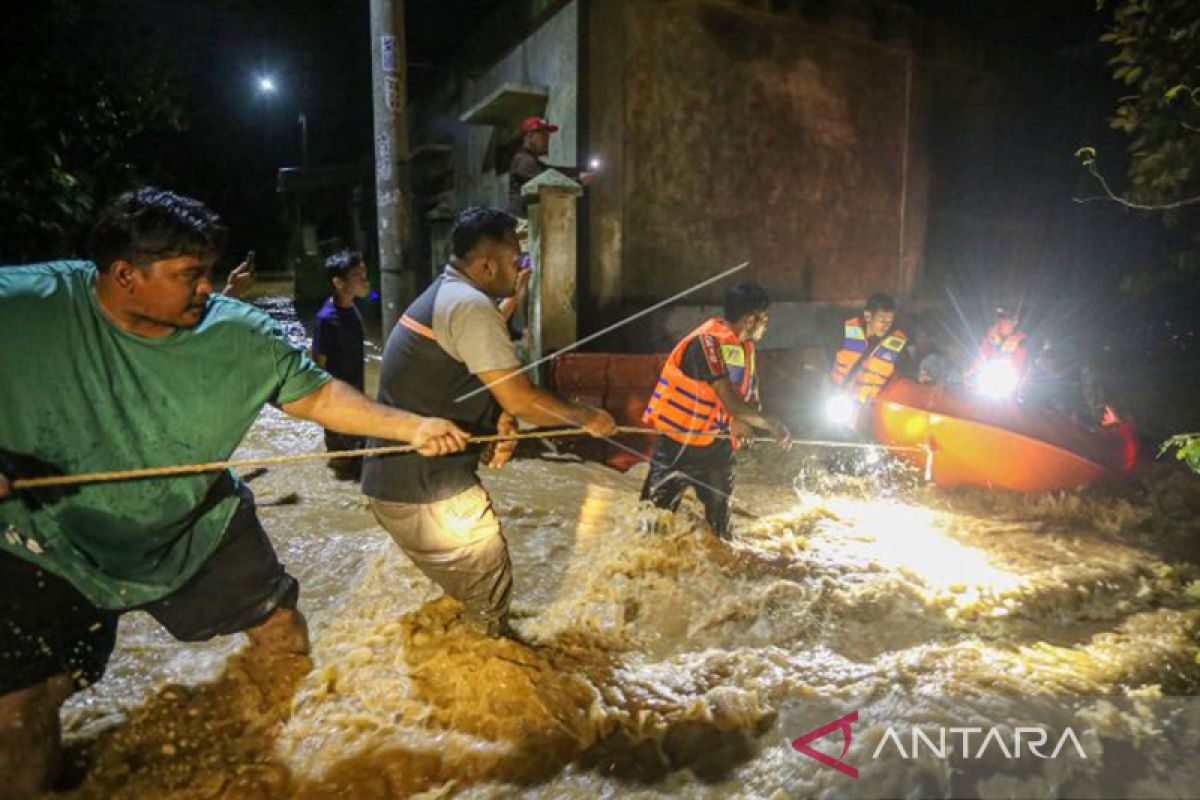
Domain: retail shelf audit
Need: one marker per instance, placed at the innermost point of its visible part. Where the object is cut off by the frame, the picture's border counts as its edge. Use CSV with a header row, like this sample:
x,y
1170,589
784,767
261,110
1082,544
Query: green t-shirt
x,y
83,395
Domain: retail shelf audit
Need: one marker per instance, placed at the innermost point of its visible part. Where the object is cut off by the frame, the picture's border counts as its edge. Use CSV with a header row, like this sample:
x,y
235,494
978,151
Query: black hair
x,y
880,301
743,299
340,263
476,224
149,224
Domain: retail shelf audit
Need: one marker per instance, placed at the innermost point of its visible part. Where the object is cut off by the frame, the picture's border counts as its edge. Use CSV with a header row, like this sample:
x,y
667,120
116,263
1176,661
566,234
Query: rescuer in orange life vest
x,y
1002,365
872,351
709,388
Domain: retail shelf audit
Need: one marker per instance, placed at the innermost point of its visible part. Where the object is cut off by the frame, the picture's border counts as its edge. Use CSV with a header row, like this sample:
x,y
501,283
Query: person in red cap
x,y
527,163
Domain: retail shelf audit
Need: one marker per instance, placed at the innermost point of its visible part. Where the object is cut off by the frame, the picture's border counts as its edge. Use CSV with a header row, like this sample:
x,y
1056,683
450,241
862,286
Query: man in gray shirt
x,y
451,351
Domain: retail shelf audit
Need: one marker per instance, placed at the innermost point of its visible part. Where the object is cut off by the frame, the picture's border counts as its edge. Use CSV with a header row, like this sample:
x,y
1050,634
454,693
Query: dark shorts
x,y
48,627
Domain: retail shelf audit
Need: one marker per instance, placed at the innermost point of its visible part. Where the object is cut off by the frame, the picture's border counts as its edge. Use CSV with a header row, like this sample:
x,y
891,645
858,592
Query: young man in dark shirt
x,y
337,345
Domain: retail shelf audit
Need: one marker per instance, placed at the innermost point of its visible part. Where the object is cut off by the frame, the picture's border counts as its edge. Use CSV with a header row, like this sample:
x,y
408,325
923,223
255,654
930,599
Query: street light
x,y
267,88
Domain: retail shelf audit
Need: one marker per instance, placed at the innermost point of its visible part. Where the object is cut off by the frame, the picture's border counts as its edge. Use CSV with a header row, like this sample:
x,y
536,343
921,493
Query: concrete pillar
x,y
553,311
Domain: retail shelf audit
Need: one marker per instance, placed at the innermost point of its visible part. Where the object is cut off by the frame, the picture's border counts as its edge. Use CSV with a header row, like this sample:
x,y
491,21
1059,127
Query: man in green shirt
x,y
128,361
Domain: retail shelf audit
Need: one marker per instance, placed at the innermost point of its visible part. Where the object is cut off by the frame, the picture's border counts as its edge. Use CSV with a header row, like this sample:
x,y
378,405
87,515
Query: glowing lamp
x,y
998,380
840,410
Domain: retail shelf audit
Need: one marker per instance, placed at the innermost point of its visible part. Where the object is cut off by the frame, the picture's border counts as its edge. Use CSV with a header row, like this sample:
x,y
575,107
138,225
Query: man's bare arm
x,y
342,408
747,414
537,406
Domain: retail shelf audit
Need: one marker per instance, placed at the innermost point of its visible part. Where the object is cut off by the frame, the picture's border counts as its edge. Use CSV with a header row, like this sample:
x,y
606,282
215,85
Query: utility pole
x,y
389,74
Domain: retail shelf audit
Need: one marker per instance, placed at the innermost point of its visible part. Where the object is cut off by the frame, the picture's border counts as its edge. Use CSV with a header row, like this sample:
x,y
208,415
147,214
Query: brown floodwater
x,y
657,662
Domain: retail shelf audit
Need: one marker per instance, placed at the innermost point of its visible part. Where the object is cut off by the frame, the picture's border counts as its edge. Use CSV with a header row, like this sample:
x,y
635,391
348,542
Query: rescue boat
x,y
998,444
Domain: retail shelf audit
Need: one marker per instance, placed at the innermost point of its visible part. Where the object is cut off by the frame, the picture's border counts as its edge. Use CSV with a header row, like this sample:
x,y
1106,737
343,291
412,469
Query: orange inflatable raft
x,y
998,444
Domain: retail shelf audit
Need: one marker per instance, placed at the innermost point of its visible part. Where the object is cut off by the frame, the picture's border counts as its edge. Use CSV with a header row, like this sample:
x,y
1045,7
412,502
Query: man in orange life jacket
x,y
1003,347
708,388
872,351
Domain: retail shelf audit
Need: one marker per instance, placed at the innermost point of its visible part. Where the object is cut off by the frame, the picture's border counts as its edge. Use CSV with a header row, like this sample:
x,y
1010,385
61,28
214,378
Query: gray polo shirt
x,y
469,327
449,335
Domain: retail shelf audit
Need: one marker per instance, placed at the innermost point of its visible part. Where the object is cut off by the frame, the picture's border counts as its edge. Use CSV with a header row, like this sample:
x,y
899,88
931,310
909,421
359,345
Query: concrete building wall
x,y
740,135
548,58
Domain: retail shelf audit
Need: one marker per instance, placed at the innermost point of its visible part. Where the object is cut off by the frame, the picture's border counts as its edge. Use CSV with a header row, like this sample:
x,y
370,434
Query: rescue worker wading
x,y
871,353
708,387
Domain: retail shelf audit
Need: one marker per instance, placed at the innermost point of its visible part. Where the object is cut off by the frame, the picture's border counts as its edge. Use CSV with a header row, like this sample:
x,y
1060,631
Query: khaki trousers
x,y
457,543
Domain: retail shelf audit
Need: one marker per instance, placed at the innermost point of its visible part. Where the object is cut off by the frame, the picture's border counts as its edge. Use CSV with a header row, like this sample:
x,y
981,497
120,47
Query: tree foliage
x,y
87,94
1156,61
1157,58
1186,447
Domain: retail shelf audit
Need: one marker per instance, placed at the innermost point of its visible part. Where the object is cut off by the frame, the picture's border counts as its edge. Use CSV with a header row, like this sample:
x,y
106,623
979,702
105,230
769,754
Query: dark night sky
x,y
319,53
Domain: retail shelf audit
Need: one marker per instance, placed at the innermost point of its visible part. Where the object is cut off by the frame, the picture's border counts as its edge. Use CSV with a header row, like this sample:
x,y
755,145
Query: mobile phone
x,y
250,260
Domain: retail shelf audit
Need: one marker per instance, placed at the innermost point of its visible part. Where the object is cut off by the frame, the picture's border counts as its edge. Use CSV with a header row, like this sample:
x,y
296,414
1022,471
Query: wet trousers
x,y
457,543
708,470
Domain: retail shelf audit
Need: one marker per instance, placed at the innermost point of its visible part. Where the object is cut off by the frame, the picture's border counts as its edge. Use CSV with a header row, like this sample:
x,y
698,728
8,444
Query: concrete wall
x,y
548,58
735,134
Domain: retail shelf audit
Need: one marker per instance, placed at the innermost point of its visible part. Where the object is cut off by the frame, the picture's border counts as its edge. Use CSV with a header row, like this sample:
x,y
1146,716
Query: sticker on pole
x,y
388,52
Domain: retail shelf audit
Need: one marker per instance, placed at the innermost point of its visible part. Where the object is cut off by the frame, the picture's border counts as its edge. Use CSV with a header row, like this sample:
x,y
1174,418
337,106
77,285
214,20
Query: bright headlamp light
x,y
998,379
841,410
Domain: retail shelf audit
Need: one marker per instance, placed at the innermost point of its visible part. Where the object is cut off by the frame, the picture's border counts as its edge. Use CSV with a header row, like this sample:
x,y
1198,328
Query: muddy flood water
x,y
658,662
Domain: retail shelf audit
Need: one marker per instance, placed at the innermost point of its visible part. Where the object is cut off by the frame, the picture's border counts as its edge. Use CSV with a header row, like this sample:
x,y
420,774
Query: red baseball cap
x,y
537,124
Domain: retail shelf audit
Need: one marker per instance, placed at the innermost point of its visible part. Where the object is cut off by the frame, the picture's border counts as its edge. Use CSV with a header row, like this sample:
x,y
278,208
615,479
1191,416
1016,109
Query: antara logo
x,y
843,724
1033,739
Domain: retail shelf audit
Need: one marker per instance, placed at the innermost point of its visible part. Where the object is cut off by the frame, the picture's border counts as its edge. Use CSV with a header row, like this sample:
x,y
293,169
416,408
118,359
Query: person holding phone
x,y
241,280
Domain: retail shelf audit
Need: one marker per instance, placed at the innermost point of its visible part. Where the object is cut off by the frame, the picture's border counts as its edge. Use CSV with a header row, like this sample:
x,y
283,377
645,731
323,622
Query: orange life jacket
x,y
1014,349
1009,348
689,410
866,373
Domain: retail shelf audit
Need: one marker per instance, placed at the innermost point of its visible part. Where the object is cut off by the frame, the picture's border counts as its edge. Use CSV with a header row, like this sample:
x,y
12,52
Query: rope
x,y
217,466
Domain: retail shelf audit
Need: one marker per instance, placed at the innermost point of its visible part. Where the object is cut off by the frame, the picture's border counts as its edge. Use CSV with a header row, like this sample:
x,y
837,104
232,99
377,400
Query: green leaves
x,y
1156,52
94,99
1186,447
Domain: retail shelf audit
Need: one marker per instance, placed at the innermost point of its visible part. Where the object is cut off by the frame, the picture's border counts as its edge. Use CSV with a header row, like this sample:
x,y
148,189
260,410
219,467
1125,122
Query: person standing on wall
x,y
527,163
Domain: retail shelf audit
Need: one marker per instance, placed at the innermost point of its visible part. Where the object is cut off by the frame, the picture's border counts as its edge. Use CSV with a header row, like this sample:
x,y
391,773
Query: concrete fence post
x,y
553,307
